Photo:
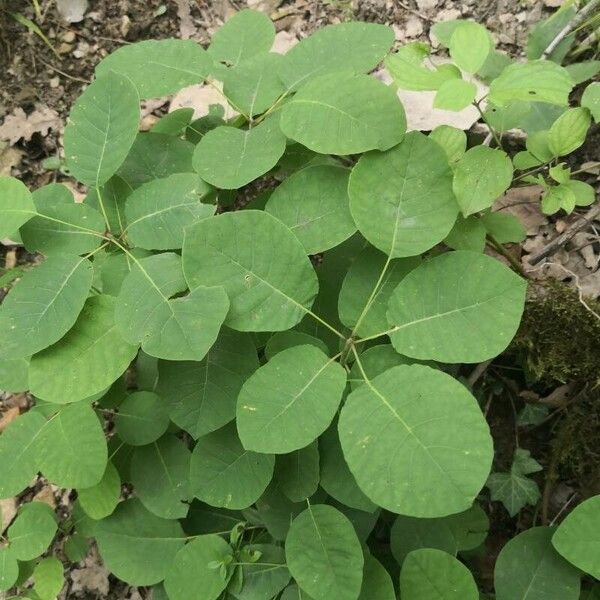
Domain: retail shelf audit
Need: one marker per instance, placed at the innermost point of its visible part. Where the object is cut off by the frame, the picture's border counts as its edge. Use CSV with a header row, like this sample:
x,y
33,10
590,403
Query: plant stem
x,y
371,298
102,208
574,23
515,264
492,130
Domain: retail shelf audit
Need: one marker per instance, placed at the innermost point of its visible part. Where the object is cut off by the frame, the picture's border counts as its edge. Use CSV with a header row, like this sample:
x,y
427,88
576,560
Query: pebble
x,y
68,36
54,82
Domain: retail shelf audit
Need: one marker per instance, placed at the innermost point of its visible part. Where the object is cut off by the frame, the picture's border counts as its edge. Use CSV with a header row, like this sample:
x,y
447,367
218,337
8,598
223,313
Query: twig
x,y
72,77
566,236
574,23
514,263
563,508
414,11
477,372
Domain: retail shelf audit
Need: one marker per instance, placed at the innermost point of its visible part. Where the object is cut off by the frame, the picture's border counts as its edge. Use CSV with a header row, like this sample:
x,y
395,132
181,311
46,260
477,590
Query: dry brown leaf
x,y
7,417
9,158
186,24
284,40
93,577
524,203
8,510
19,125
72,11
418,106
200,97
46,495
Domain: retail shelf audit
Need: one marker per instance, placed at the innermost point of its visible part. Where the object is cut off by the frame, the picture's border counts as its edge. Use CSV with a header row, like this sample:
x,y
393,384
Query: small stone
x,y
54,82
64,48
82,50
68,36
553,3
448,14
125,25
426,4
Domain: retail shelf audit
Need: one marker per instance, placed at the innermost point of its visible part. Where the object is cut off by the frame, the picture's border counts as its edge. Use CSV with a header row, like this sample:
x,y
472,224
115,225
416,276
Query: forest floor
x,y
553,363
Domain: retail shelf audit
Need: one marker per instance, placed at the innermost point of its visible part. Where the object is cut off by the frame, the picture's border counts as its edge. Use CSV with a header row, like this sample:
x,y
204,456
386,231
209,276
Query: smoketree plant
x,y
257,323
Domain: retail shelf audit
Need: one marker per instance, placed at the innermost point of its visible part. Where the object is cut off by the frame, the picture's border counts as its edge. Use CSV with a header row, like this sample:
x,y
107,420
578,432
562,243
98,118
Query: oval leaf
x,y
282,407
261,264
469,309
432,441
402,199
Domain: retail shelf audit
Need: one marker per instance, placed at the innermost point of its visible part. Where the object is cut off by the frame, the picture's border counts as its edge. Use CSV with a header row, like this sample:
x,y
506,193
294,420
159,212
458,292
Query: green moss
x,y
559,339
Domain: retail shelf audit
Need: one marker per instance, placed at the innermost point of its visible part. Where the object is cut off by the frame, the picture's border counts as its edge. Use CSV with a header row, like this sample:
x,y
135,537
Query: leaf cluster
x,y
275,380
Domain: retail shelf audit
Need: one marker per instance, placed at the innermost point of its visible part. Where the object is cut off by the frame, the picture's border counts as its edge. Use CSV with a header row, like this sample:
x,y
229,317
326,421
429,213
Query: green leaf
x,y
544,32
252,86
18,465
160,476
175,122
247,33
143,417
539,80
504,227
9,569
264,579
223,473
63,229
569,131
407,70
375,360
581,72
71,448
16,206
14,374
336,478
377,584
355,47
556,197
202,396
469,309
324,555
150,311
297,473
280,397
584,193
470,45
458,532
514,489
32,531
313,203
432,442
250,154
467,234
360,281
159,67
577,538
158,211
430,574
137,546
44,305
482,175
154,156
48,578
68,371
455,95
452,140
402,199
190,576
529,567
283,340
344,114
591,100
264,269
100,500
293,592
102,127
113,194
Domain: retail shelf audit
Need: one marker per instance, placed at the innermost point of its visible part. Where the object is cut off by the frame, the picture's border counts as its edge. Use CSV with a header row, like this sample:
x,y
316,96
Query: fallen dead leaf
x,y
8,417
46,495
186,24
93,577
200,97
8,510
524,203
284,40
72,11
77,195
418,106
19,125
9,158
